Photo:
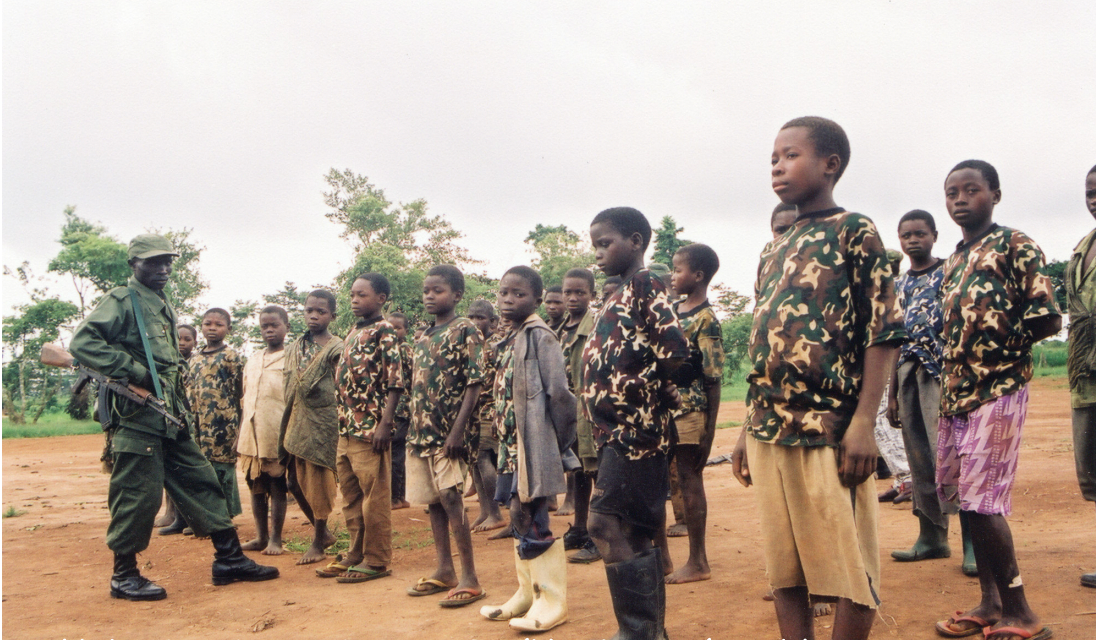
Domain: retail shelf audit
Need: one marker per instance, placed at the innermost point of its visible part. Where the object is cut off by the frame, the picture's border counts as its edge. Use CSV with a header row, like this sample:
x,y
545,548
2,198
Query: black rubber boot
x,y
231,565
127,583
639,596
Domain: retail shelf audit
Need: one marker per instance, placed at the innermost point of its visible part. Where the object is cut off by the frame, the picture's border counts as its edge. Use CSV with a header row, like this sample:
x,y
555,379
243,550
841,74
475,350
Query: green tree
x,y
557,250
186,284
736,344
95,261
1056,269
666,241
245,316
27,384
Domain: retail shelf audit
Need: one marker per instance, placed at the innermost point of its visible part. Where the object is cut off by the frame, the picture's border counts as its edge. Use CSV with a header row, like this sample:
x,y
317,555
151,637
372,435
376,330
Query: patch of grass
x,y
12,512
50,424
735,391
729,424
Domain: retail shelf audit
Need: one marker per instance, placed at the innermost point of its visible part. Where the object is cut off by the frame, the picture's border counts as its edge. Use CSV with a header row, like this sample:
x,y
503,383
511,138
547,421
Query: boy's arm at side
x,y
455,442
857,451
739,464
892,393
713,389
1043,327
382,435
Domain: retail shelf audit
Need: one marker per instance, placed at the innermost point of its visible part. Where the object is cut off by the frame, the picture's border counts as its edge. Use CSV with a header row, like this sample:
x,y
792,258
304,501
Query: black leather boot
x,y
127,583
231,565
639,596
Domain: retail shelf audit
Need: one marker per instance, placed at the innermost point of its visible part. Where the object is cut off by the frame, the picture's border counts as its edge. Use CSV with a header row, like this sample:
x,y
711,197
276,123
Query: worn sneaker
x,y
575,538
587,554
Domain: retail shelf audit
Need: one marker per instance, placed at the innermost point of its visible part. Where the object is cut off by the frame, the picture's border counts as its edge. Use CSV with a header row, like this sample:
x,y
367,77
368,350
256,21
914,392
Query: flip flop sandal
x,y
944,626
433,585
358,574
1043,633
333,569
451,601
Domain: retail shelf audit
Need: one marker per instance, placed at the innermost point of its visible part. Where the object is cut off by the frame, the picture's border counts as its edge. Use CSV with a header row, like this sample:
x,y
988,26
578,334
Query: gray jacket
x,y
544,410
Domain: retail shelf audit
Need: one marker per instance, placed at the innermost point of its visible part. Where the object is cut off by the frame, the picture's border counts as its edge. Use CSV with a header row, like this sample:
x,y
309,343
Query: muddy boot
x,y
127,583
970,565
176,527
932,543
639,596
522,599
549,577
231,565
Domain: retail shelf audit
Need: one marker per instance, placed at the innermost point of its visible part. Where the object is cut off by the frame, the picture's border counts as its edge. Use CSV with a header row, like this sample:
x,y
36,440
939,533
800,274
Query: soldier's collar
x,y
365,322
965,245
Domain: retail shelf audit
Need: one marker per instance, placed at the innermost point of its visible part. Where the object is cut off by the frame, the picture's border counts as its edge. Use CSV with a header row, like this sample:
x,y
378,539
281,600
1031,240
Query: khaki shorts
x,y
430,474
817,533
318,486
690,427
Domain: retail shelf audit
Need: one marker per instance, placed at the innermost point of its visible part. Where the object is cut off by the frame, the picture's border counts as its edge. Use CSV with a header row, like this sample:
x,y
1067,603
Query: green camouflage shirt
x,y
369,368
825,293
991,286
403,409
633,331
485,409
215,387
502,393
705,337
446,362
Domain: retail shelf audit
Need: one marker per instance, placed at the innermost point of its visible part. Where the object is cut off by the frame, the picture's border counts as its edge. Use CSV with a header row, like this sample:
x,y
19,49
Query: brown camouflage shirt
x,y
502,392
991,286
825,293
485,409
446,362
370,367
403,409
214,389
705,337
633,331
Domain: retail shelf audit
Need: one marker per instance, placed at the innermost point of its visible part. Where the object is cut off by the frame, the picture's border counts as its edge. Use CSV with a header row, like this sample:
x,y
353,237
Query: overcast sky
x,y
224,117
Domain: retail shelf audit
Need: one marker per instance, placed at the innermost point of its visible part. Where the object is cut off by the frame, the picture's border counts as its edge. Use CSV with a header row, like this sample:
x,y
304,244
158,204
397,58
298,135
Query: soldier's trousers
x,y
144,466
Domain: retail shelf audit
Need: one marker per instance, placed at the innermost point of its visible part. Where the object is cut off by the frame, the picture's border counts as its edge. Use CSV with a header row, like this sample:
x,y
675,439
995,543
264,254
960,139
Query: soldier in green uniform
x,y
150,453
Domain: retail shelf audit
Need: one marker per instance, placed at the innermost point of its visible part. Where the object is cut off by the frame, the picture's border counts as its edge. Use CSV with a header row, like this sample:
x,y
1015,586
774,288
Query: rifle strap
x,y
140,315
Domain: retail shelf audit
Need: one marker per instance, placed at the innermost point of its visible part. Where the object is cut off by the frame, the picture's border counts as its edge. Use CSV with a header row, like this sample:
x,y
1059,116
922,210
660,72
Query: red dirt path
x,y
56,567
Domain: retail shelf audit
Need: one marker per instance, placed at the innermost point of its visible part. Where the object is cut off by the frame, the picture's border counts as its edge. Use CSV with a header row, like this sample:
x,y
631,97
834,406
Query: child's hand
x,y
454,447
856,453
671,397
892,413
739,465
382,437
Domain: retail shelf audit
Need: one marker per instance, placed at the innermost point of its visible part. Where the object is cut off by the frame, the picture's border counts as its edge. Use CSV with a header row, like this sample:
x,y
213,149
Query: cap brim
x,y
154,253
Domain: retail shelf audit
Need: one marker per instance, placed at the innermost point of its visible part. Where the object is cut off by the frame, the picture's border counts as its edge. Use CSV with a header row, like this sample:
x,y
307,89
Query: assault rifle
x,y
55,356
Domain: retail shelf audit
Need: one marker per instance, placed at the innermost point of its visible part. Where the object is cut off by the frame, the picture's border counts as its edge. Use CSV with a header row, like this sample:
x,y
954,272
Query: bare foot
x,y
315,553
688,573
822,609
274,548
667,565
400,504
678,530
566,510
488,524
502,534
479,520
258,544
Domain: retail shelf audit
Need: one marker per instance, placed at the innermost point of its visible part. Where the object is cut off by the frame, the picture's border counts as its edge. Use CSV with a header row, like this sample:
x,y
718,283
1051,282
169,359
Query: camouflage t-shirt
x,y
633,331
403,409
485,409
991,286
502,393
825,293
919,299
370,367
214,389
446,362
702,330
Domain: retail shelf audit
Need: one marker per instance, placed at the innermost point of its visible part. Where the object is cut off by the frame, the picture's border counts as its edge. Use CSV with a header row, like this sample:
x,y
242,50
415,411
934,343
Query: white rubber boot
x,y
522,599
549,610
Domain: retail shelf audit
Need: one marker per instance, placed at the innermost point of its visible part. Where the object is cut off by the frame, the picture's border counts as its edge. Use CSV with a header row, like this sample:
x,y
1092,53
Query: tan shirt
x,y
263,405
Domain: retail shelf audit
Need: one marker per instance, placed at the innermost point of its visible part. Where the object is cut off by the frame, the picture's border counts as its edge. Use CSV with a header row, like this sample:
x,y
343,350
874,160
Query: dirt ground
x,y
56,567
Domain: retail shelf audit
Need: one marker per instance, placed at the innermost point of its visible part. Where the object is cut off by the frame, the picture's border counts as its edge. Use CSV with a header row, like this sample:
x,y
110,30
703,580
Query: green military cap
x,y
658,269
148,245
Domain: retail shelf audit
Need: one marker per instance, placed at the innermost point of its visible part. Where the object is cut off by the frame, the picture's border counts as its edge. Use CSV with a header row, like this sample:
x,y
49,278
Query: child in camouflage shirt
x,y
172,523
694,267
214,389
370,376
635,350
446,382
821,344
482,422
997,301
402,417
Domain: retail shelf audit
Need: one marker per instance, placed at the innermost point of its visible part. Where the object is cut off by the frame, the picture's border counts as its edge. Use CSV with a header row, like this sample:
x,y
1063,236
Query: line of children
x,y
310,426
535,414
214,389
402,418
483,463
263,405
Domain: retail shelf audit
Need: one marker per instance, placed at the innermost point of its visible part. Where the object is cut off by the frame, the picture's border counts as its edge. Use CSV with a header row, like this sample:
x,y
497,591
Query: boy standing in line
x,y
402,418
215,388
578,290
694,267
823,330
636,350
1081,292
371,379
554,307
263,406
484,474
172,523
997,301
446,385
310,426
